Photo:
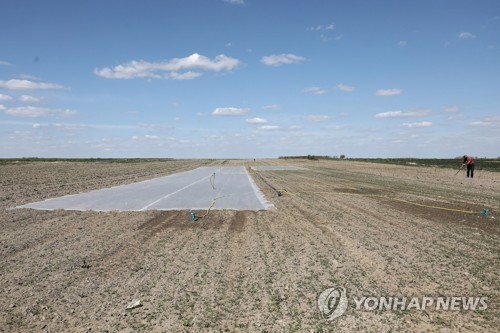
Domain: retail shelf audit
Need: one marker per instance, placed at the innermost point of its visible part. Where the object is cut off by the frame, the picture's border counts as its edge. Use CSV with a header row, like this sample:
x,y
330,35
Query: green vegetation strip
x,y
490,164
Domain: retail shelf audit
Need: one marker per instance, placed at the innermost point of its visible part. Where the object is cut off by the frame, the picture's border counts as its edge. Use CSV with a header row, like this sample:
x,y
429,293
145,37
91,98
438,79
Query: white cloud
x,y
271,107
67,127
256,120
150,137
403,114
487,122
5,63
29,99
454,113
235,2
230,111
271,128
65,112
466,35
184,76
169,68
268,128
35,112
335,127
74,126
314,90
317,118
5,98
315,28
388,92
325,32
27,111
418,124
281,59
28,77
322,27
343,87
28,85
402,43
452,109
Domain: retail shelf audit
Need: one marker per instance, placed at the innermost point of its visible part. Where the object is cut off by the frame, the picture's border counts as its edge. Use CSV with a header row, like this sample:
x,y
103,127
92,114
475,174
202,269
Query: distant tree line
x,y
84,160
482,163
314,157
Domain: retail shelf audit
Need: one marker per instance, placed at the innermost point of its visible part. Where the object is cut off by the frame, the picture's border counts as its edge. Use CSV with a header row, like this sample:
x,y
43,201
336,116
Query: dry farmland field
x,y
377,230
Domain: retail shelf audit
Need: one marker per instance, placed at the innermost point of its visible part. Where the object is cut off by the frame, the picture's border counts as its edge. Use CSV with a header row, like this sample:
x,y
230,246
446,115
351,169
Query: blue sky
x,y
249,78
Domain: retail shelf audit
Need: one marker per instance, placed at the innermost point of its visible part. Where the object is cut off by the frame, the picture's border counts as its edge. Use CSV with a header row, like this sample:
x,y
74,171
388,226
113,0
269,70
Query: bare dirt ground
x,y
338,223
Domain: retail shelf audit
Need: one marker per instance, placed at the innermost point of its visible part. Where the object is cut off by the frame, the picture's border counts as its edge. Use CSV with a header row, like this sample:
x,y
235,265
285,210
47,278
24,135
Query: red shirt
x,y
469,160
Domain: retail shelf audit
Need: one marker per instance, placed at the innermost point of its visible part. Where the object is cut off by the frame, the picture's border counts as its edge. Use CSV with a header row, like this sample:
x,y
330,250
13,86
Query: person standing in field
x,y
470,163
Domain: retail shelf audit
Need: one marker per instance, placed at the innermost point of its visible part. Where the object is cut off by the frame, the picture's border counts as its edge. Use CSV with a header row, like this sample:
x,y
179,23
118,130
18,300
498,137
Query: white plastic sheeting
x,y
222,187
